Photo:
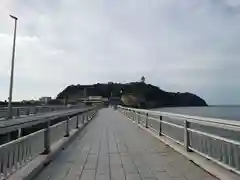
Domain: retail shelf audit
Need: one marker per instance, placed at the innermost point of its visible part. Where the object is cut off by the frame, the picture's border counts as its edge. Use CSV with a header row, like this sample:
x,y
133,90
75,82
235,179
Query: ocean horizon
x,y
228,112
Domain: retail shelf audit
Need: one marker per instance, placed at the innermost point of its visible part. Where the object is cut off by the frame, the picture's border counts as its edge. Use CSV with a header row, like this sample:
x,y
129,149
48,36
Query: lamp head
x,y
14,17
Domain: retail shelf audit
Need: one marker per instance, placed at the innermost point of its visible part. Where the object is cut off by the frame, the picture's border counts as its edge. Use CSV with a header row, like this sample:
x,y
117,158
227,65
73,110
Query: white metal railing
x,y
17,153
57,131
72,122
26,111
215,139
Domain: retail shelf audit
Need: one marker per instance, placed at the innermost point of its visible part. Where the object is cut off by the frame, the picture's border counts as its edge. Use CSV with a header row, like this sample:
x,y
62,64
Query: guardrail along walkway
x,y
112,147
27,111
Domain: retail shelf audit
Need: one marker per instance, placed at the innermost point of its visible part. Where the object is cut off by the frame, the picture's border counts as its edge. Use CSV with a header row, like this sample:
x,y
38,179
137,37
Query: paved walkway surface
x,y
111,147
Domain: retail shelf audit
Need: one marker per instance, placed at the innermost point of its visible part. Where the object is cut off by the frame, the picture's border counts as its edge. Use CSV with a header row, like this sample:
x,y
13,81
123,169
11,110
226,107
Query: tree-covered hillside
x,y
145,95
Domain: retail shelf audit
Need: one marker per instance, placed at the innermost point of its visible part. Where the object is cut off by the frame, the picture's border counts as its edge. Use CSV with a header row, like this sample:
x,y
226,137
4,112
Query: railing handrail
x,y
5,128
21,138
197,119
19,111
31,106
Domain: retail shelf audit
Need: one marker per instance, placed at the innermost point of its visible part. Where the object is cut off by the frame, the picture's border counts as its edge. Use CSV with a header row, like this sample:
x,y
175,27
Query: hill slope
x,y
145,95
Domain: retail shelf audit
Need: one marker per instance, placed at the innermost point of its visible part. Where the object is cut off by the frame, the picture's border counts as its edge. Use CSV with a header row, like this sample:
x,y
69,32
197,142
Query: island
x,y
133,94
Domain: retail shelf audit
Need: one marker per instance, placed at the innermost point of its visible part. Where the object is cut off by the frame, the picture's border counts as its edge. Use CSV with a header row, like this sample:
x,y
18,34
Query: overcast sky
x,y
179,45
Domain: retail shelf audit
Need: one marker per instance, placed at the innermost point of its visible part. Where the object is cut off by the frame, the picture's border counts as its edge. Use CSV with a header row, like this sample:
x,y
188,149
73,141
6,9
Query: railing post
x,y
135,116
139,116
28,111
90,115
186,135
146,123
47,138
19,133
34,111
18,112
77,125
160,126
82,118
13,112
67,128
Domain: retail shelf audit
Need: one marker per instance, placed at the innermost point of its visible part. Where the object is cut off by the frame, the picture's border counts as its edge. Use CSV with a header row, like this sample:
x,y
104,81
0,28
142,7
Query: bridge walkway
x,y
113,148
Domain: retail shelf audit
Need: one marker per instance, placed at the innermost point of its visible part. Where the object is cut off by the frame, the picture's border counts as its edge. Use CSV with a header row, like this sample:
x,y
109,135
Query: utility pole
x,y
9,114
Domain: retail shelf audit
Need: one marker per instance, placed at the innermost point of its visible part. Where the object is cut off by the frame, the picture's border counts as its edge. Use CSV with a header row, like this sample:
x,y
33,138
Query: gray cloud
x,y
178,45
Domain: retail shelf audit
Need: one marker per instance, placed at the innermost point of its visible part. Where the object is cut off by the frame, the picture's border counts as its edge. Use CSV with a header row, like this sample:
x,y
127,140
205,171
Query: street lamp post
x,y
9,114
